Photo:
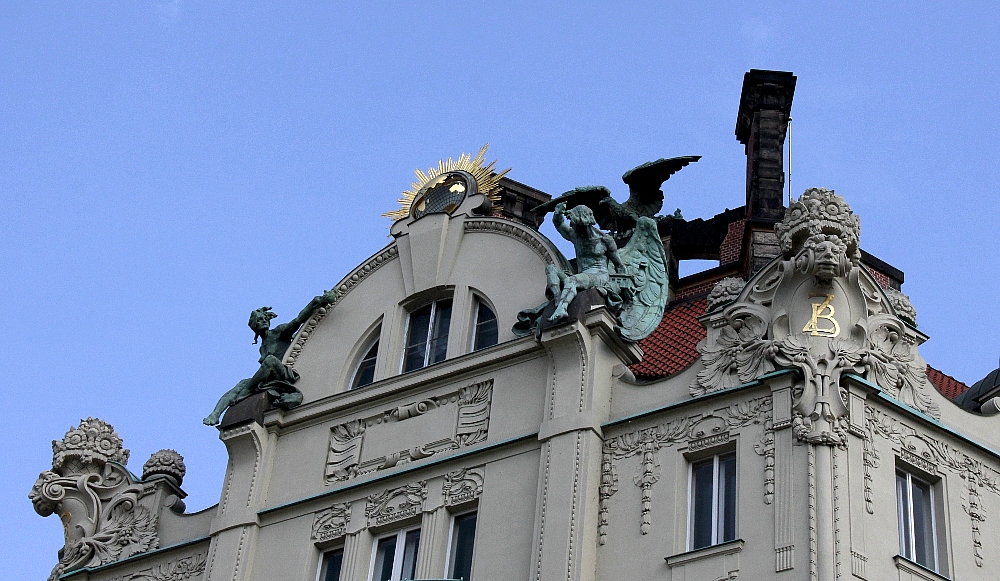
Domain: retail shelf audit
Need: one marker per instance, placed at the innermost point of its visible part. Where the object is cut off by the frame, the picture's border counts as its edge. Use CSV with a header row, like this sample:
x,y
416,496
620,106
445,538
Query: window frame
x,y
449,571
934,495
399,551
478,300
718,528
430,326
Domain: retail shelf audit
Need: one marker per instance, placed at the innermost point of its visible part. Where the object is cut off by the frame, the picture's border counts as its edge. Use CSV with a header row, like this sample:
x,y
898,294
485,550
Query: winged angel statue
x,y
632,279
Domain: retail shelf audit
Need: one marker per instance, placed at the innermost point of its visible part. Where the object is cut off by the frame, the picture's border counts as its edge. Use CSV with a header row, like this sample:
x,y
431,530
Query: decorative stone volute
x,y
816,310
102,507
88,447
166,463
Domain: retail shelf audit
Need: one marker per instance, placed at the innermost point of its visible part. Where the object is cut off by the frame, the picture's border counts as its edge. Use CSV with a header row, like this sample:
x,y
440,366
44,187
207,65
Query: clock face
x,y
444,193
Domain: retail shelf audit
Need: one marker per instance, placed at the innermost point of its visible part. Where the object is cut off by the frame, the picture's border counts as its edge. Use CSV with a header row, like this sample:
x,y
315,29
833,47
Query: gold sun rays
x,y
487,180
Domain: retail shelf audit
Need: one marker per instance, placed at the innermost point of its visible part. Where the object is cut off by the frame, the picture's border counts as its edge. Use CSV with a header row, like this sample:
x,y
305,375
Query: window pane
x,y
727,498
923,533
701,503
333,562
366,370
410,554
903,514
439,335
487,334
416,341
383,559
463,546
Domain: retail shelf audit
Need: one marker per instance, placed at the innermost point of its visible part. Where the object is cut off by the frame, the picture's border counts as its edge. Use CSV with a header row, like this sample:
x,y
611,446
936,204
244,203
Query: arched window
x,y
365,373
427,335
485,331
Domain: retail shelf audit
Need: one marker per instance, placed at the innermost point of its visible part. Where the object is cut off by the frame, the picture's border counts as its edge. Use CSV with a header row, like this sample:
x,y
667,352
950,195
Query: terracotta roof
x,y
673,345
946,384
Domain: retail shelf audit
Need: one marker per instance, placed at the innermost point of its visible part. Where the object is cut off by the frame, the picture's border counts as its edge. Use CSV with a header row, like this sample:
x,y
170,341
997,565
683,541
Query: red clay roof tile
x,y
946,384
673,345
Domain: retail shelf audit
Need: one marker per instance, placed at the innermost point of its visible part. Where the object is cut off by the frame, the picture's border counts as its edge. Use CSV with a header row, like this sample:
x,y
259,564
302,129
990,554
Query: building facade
x,y
775,421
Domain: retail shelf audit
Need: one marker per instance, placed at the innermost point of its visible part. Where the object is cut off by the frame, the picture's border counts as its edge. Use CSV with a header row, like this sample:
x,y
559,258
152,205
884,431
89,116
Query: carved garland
x,y
331,523
930,454
699,432
396,504
472,427
462,485
350,281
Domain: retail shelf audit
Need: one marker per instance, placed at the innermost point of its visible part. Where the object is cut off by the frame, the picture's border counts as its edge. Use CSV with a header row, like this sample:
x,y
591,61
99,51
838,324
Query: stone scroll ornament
x,y
97,499
631,277
273,376
817,310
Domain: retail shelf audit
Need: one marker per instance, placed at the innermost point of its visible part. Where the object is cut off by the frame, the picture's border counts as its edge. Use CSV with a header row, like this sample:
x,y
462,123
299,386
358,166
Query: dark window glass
x,y
702,482
438,345
366,369
463,544
486,328
410,555
333,561
727,498
427,338
384,557
416,342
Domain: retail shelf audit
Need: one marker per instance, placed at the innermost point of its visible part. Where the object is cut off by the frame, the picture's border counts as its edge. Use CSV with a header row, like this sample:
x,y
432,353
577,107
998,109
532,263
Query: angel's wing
x,y
589,196
644,181
646,261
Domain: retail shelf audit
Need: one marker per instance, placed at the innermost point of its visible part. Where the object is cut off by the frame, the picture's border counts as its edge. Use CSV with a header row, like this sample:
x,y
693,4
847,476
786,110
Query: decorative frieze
x,y
331,523
699,432
462,485
470,426
189,568
396,504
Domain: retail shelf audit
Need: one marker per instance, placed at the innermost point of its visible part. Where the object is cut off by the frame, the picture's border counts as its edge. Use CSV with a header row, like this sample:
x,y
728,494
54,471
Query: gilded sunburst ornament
x,y
451,176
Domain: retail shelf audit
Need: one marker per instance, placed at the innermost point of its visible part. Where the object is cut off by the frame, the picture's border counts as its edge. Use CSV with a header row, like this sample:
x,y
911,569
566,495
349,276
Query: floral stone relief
x,y
96,498
815,309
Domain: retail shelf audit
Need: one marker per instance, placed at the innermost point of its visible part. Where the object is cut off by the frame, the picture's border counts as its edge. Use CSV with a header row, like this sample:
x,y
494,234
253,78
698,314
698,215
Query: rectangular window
x,y
712,512
463,540
427,337
332,562
396,556
917,520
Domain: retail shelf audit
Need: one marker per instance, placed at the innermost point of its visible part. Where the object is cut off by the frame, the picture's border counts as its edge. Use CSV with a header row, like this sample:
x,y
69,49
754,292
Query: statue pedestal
x,y
250,409
582,304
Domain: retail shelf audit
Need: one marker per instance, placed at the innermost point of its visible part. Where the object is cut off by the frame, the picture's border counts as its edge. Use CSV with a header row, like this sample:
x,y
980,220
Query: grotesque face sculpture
x,y
820,234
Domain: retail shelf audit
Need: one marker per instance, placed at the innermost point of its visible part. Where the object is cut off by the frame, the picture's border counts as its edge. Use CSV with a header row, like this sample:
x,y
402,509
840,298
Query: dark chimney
x,y
761,124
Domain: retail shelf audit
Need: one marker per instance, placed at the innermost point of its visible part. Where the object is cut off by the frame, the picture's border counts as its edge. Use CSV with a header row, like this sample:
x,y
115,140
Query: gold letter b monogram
x,y
813,328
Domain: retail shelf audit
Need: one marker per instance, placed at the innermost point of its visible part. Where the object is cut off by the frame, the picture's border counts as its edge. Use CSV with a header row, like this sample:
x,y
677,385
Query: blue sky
x,y
166,167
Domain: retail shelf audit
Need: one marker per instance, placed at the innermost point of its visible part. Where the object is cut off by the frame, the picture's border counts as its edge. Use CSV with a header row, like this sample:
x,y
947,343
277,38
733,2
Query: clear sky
x,y
166,167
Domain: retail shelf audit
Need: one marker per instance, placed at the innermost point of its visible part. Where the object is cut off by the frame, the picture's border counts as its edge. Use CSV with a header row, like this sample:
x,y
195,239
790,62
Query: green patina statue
x,y
273,376
594,250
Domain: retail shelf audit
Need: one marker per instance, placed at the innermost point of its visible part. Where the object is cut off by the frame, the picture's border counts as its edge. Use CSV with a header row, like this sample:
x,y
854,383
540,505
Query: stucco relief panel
x,y
697,432
381,441
932,456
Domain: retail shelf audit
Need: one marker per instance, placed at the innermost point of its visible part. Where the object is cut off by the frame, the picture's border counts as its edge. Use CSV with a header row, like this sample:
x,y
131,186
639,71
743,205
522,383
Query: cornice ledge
x,y
727,548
